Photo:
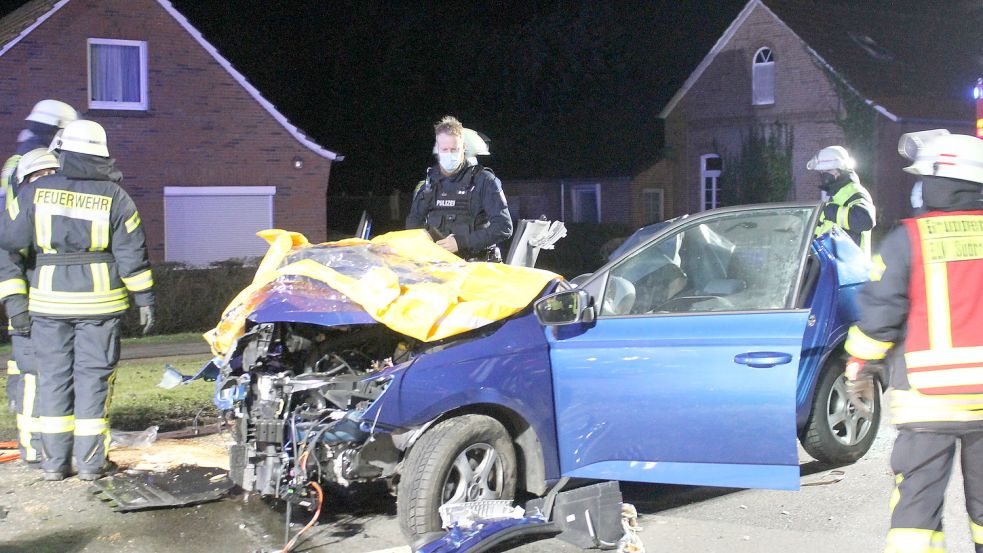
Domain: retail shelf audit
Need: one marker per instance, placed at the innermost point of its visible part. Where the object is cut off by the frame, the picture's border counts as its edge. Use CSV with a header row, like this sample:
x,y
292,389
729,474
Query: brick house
x,y
206,158
802,64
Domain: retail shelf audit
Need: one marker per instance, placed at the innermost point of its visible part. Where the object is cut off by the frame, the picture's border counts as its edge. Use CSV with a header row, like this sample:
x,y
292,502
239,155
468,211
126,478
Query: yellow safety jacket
x,y
89,244
851,196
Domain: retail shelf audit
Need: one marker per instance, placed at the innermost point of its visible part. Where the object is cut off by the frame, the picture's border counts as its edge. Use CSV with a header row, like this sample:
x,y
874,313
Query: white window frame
x,y
713,201
269,191
760,97
144,103
660,193
578,207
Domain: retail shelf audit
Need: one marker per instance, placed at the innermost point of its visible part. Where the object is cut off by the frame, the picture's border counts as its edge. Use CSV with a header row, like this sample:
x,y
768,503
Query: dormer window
x,y
763,77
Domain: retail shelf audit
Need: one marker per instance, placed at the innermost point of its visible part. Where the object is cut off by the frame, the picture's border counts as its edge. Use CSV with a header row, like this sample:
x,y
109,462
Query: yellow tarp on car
x,y
401,279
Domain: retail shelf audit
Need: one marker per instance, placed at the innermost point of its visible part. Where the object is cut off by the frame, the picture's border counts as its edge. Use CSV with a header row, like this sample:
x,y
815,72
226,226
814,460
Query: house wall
x,y
202,127
717,112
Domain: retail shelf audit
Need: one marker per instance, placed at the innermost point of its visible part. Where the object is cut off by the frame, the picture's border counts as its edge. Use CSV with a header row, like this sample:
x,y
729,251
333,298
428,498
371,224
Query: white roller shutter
x,y
204,224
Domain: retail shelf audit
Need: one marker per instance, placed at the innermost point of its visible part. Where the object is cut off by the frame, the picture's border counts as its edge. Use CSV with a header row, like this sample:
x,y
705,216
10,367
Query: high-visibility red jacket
x,y
925,296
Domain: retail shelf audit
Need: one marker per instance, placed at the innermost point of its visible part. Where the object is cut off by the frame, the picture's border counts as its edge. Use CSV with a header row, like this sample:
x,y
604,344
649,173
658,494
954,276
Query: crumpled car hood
x,y
400,279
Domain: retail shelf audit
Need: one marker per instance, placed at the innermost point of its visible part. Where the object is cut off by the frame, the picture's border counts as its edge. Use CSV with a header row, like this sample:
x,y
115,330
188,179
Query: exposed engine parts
x,y
296,393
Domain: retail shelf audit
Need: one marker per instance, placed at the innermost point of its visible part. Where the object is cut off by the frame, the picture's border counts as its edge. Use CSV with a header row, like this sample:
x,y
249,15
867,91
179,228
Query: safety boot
x,y
107,468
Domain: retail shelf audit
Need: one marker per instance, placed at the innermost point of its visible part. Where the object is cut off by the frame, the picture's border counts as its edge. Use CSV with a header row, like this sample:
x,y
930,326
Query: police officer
x,y
90,250
46,118
461,203
923,311
850,206
32,166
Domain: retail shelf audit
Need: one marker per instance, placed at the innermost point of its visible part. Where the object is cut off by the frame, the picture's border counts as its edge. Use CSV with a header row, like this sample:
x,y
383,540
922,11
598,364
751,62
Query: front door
x,y
688,374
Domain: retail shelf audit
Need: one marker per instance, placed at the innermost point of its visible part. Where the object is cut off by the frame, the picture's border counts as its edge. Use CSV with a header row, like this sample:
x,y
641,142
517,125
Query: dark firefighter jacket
x,y
474,208
14,266
86,236
886,310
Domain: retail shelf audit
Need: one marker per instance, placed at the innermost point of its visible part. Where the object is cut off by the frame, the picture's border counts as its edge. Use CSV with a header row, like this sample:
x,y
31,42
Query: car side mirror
x,y
564,308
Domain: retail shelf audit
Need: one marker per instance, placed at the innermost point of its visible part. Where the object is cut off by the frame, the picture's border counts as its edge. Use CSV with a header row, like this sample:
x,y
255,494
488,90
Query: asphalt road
x,y
842,509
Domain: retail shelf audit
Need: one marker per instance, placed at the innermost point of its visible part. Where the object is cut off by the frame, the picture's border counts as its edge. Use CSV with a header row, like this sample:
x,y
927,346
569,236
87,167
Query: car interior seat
x,y
619,297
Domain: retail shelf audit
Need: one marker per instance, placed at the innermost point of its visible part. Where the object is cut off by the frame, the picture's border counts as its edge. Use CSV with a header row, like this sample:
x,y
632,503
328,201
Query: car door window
x,y
732,261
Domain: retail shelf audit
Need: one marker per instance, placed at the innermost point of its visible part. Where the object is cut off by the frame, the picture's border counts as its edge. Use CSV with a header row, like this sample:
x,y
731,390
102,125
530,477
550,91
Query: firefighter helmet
x,y
82,136
52,112
830,158
475,143
954,156
34,161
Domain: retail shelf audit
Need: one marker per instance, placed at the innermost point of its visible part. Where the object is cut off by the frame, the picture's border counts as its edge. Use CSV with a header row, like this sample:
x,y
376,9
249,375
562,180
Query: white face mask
x,y
449,161
916,195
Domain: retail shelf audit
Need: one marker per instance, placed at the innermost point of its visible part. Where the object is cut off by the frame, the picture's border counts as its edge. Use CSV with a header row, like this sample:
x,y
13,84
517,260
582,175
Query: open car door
x,y
687,374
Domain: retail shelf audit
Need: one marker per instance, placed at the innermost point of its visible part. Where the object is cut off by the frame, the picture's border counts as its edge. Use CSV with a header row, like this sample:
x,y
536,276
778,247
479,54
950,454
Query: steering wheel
x,y
684,304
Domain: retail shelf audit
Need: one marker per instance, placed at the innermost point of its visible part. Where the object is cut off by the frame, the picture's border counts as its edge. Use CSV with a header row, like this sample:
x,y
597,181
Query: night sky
x,y
563,89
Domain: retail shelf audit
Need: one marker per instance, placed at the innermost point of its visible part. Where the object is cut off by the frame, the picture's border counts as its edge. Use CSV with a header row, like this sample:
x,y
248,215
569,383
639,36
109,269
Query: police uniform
x,y
923,310
90,251
469,204
850,208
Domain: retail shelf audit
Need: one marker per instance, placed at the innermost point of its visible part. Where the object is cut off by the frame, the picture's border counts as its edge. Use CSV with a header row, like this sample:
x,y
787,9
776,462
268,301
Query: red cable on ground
x,y
7,457
320,501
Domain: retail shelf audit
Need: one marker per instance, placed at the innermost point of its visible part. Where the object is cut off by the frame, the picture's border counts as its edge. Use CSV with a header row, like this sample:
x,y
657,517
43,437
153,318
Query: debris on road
x,y
134,491
167,454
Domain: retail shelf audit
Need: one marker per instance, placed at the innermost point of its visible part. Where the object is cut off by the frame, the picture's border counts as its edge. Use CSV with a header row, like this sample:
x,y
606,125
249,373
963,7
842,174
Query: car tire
x,y
432,471
836,433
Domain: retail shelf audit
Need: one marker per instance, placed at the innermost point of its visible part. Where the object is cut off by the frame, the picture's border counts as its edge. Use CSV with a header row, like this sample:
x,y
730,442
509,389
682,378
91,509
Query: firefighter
x,y
46,118
922,311
32,166
85,233
850,206
461,203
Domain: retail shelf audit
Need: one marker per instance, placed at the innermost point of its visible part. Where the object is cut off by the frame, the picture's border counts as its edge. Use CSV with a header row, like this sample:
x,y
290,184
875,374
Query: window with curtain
x,y
117,74
763,77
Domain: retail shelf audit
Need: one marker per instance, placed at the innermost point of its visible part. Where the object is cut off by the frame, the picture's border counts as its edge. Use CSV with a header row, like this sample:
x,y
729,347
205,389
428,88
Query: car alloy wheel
x,y
846,423
476,474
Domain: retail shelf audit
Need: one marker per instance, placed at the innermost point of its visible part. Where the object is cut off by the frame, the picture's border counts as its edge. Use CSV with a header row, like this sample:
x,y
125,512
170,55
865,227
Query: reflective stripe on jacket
x,y
850,196
944,345
88,233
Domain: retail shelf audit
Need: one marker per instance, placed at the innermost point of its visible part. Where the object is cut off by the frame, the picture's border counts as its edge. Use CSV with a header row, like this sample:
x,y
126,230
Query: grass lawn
x,y
137,401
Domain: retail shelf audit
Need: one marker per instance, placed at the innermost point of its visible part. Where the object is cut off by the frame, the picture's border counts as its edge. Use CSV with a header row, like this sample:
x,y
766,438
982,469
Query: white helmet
x,y
52,112
831,157
82,136
33,161
474,143
954,156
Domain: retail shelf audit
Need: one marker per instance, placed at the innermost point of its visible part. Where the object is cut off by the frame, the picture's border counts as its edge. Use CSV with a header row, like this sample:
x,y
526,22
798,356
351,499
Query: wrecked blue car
x,y
699,355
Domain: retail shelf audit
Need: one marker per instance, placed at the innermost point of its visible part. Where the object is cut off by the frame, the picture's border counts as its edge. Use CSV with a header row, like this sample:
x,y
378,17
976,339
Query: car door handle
x,y
763,359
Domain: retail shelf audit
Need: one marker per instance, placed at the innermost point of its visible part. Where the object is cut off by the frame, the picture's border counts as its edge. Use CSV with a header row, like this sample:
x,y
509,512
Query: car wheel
x,y
837,433
461,459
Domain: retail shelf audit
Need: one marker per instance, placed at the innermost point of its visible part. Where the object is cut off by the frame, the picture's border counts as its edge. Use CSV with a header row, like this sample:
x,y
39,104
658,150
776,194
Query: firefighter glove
x,y
21,324
147,318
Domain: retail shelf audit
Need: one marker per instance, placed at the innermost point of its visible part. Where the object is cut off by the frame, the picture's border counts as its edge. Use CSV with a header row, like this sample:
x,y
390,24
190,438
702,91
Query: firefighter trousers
x,y
922,462
25,397
77,366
